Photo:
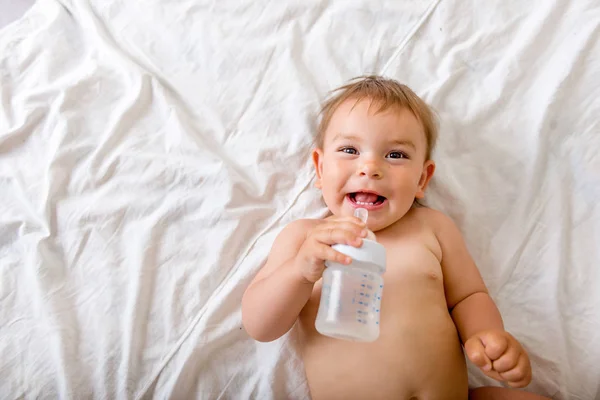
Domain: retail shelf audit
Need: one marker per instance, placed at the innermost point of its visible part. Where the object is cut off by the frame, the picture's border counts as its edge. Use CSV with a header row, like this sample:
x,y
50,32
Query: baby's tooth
x,y
362,203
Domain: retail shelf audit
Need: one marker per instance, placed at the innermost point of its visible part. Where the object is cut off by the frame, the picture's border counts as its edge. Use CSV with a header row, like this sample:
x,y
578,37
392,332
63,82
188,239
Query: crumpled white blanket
x,y
150,152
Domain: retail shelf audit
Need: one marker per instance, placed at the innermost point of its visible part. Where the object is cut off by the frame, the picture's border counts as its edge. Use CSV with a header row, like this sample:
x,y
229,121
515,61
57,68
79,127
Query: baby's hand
x,y
316,248
500,356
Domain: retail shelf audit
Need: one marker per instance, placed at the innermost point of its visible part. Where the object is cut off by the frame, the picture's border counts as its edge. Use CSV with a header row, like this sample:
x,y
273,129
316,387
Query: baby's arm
x,y
274,299
475,314
470,305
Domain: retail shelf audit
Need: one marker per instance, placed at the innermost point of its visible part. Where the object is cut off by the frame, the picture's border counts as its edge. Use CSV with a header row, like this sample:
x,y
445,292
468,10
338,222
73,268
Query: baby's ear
x,y
317,156
426,175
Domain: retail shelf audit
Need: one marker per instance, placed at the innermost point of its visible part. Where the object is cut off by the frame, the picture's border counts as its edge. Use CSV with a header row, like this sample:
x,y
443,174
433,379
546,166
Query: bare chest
x,y
413,277
417,339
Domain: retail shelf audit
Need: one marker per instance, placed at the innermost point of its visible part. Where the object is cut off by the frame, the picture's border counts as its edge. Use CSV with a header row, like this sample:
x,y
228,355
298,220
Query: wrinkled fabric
x,y
151,151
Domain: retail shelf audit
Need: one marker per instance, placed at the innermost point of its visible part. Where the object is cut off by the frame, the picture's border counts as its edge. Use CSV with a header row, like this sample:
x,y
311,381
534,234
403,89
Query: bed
x,y
151,151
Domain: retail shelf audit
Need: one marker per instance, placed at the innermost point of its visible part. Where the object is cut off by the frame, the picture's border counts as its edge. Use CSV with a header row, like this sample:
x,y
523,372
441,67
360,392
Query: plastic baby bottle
x,y
351,294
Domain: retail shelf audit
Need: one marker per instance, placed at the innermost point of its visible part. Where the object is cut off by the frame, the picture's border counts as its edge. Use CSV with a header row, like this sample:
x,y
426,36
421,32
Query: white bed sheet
x,y
151,151
12,10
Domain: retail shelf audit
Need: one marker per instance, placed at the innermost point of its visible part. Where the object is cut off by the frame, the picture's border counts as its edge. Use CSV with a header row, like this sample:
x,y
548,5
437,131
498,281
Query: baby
x,y
373,151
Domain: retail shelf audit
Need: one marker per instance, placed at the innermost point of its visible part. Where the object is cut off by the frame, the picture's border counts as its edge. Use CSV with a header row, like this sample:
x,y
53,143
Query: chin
x,y
388,220
379,226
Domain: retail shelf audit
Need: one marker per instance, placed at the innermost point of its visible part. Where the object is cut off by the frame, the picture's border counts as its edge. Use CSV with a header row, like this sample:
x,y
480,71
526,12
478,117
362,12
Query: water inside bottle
x,y
350,304
351,298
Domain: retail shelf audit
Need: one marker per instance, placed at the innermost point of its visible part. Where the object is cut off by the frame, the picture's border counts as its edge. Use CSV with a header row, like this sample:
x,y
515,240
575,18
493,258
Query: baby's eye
x,y
397,154
349,150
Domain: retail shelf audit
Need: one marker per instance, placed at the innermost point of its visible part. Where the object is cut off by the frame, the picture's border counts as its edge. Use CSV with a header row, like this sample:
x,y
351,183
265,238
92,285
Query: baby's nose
x,y
371,169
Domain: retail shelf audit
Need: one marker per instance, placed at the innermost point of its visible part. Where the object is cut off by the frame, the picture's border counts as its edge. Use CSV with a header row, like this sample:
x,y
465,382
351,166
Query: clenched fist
x,y
500,356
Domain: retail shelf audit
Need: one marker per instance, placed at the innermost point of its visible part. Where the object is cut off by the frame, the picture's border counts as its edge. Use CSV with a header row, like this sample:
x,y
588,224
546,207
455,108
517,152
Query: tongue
x,y
366,197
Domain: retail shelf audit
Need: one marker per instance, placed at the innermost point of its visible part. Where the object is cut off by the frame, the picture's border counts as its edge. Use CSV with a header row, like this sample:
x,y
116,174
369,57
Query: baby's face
x,y
374,161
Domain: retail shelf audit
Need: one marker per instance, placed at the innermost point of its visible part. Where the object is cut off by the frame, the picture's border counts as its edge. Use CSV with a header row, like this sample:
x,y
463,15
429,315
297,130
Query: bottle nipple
x,y
363,215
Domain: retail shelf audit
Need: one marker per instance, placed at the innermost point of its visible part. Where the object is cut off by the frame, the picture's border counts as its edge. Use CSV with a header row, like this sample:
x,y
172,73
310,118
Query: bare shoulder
x,y
441,226
436,220
297,229
286,245
293,235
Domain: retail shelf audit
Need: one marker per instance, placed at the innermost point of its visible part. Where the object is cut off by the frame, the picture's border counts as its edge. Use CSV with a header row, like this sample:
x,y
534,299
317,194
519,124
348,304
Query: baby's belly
x,y
417,356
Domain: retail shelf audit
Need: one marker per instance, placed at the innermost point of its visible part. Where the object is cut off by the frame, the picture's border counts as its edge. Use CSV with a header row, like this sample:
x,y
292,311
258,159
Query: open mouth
x,y
366,199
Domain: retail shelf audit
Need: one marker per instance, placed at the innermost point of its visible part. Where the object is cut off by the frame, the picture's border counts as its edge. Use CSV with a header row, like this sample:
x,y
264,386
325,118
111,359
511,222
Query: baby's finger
x,y
351,225
345,233
520,384
476,353
335,236
327,253
508,360
520,374
354,220
495,345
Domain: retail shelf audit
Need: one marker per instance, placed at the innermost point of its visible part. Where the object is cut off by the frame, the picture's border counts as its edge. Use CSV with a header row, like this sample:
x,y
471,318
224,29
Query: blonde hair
x,y
385,93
